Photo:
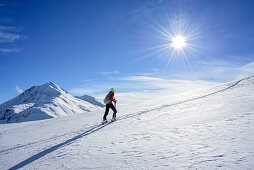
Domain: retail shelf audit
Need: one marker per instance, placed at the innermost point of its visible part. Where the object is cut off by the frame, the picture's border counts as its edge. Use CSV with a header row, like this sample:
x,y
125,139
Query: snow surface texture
x,y
42,102
209,129
90,99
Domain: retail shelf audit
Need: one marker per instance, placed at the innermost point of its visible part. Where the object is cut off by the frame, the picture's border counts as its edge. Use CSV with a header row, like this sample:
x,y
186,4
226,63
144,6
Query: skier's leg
x,y
106,112
114,110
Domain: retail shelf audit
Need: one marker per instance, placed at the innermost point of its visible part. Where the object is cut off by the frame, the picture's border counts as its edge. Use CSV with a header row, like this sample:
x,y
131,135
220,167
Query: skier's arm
x,y
112,97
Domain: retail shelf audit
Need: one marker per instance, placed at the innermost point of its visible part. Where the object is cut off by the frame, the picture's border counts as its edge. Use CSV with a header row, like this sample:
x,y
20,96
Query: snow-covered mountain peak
x,y
48,88
41,102
52,86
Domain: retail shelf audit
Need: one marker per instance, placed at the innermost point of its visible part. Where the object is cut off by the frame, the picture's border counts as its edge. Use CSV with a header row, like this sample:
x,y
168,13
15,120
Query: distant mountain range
x,y
90,99
44,102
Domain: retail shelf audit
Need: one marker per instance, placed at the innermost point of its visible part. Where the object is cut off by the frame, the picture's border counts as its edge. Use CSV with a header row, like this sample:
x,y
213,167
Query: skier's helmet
x,y
112,90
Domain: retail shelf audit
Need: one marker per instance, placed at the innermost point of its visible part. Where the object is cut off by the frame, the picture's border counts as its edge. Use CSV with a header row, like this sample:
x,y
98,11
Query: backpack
x,y
107,99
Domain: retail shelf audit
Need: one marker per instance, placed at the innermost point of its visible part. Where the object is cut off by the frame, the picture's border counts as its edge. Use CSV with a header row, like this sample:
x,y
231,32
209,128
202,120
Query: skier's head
x,y
112,90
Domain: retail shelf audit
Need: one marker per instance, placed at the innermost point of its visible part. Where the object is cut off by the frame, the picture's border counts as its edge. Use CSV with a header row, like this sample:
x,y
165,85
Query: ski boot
x,y
104,121
113,119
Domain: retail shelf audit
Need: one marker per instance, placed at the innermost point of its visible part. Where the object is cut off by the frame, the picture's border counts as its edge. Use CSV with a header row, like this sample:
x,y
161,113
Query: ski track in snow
x,y
137,147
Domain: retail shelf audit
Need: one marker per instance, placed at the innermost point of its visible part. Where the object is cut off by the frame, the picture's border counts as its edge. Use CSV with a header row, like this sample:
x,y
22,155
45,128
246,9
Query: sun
x,y
178,42
176,39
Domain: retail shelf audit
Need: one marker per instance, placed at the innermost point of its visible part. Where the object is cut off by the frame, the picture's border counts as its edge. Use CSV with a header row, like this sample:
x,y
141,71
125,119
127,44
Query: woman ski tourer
x,y
109,99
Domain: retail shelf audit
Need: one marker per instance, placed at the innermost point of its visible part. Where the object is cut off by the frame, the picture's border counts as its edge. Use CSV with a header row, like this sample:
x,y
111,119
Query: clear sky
x,y
87,47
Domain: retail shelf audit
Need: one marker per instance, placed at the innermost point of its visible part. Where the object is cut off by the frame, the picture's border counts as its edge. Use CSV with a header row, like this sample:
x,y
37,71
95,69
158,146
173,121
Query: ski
x,y
105,122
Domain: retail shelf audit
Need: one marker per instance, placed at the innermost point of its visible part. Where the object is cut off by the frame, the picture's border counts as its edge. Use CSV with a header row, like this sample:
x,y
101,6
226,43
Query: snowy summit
x,y
42,102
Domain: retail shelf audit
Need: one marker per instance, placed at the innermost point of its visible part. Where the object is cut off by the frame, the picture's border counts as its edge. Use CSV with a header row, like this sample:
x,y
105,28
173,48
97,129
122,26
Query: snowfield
x,y
207,129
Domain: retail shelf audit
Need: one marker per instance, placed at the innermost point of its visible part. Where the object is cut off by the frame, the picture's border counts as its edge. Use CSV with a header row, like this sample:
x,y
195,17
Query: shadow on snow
x,y
53,148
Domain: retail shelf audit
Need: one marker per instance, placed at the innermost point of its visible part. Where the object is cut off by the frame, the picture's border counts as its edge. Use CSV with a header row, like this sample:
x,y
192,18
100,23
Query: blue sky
x,y
87,47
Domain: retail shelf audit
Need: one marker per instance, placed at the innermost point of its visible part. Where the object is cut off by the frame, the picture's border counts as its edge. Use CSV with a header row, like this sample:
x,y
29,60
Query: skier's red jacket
x,y
111,97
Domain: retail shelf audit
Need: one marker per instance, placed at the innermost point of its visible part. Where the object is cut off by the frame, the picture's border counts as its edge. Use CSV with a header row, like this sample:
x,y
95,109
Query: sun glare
x,y
178,42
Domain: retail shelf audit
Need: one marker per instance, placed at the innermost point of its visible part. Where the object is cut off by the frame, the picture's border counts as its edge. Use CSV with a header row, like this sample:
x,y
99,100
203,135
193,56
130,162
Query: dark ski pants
x,y
111,106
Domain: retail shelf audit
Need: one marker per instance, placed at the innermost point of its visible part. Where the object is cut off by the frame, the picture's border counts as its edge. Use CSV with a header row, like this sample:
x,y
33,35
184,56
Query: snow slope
x,y
42,102
90,99
208,129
